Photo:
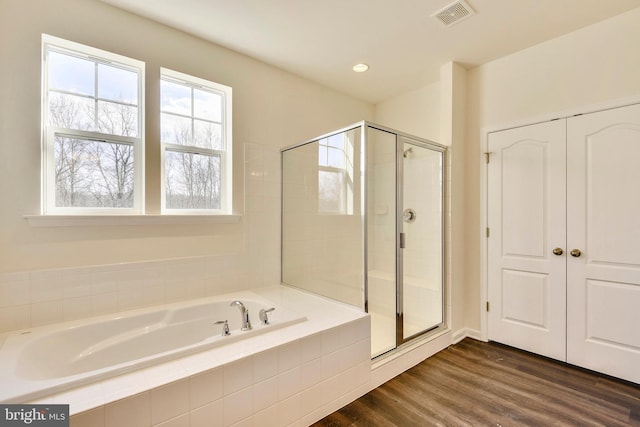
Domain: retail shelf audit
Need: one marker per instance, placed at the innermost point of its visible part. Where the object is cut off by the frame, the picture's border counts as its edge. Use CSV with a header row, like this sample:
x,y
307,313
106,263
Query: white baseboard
x,y
463,333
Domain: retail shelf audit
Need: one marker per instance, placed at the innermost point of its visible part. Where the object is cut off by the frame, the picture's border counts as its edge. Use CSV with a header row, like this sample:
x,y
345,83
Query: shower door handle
x,y
402,240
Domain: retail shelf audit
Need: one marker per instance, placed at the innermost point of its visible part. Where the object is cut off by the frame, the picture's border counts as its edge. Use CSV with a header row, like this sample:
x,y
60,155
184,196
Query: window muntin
x,y
92,125
195,118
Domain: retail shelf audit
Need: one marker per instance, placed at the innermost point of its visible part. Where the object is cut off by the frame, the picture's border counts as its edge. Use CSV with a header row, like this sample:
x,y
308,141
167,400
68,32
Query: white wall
x,y
593,65
271,108
416,112
453,87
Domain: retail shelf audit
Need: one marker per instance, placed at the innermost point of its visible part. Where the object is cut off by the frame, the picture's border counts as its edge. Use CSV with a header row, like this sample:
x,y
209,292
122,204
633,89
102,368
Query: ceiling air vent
x,y
453,13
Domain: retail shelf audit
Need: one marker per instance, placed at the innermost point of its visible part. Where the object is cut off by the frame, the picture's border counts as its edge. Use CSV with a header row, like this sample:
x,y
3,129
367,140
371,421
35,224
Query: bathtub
x,y
40,361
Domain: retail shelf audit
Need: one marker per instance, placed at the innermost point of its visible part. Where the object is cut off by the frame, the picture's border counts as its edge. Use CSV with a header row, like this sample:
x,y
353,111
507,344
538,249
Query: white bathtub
x,y
44,360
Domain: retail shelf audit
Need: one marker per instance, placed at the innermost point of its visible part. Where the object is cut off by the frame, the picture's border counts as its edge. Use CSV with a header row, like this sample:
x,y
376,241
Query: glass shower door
x,y
404,238
420,224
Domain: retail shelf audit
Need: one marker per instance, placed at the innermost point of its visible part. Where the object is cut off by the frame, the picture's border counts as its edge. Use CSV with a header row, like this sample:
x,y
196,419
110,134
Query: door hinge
x,y
487,305
487,156
488,232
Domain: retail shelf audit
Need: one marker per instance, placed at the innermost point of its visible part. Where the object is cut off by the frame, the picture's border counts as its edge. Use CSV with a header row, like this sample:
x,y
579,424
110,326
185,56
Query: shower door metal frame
x,y
400,242
400,138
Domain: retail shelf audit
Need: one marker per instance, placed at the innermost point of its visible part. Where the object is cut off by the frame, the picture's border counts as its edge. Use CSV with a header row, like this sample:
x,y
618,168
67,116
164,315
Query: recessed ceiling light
x,y
360,68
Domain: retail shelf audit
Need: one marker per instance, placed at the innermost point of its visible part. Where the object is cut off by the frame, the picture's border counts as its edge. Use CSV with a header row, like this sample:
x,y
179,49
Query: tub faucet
x,y
225,327
246,323
264,318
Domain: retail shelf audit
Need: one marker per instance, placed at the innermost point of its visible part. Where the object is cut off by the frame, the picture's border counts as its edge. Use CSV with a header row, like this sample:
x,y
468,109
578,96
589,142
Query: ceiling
x,y
403,45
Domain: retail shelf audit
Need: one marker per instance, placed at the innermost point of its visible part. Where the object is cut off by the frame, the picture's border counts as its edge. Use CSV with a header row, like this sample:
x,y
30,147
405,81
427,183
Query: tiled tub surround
x,y
37,298
39,361
290,376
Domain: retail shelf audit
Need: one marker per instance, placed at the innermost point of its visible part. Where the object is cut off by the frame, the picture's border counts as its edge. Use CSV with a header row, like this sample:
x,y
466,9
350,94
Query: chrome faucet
x,y
225,327
246,323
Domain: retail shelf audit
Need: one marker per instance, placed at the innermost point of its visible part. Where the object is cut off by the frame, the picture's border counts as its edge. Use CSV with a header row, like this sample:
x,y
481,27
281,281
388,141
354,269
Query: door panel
x,y
609,303
524,180
523,297
526,213
603,211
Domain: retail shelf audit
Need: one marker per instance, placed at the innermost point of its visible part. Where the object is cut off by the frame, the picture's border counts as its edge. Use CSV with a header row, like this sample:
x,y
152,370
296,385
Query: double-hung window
x,y
335,173
93,111
196,149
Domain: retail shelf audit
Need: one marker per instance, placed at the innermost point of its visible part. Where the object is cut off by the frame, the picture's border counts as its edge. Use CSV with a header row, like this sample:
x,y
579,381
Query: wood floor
x,y
488,384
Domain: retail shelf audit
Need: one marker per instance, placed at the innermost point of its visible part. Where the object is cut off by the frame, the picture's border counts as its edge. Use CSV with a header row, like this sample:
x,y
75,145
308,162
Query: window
x,y
196,144
92,130
335,173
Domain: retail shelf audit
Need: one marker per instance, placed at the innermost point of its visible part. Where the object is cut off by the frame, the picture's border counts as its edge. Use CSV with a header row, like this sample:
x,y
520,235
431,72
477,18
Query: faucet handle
x,y
225,327
264,319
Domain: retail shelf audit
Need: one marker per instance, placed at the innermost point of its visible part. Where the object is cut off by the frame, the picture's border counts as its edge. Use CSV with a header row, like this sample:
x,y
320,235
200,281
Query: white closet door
x,y
526,213
603,222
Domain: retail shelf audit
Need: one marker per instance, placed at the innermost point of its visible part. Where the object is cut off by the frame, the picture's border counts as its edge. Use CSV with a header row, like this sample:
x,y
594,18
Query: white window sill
x,y
119,220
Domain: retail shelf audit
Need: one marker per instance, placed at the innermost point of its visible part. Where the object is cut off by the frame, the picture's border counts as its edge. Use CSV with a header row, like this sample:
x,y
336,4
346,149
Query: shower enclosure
x,y
363,223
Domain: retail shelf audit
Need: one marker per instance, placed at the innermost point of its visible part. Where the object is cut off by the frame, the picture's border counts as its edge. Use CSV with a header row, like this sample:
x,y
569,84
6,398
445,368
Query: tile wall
x,y
294,384
36,298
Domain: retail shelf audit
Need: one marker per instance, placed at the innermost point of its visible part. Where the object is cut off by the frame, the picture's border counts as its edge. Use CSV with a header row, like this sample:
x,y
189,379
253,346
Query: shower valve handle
x,y
409,215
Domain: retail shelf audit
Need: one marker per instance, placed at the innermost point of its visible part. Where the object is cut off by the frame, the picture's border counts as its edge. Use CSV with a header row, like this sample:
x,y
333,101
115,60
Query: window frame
x,y
50,133
226,154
